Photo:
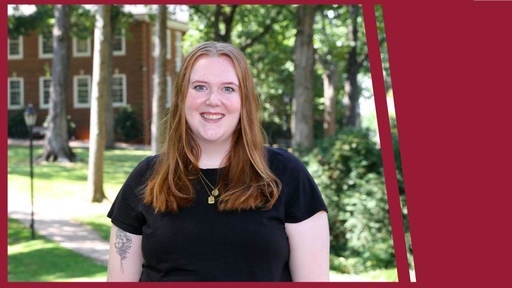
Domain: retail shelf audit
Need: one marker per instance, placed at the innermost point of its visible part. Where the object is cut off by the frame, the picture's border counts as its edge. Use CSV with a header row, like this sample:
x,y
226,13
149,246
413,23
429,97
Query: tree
x,y
303,58
56,141
100,87
330,81
354,63
219,20
330,40
110,135
159,80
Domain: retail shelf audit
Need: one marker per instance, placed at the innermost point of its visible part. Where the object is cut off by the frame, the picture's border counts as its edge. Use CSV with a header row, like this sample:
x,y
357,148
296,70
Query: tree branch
x,y
249,42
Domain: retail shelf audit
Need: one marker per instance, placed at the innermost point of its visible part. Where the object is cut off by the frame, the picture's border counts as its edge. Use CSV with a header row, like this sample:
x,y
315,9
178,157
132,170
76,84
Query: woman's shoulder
x,y
148,161
145,166
280,153
280,159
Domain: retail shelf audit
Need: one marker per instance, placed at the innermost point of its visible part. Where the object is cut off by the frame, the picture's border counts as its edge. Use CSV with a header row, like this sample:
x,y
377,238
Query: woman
x,y
217,204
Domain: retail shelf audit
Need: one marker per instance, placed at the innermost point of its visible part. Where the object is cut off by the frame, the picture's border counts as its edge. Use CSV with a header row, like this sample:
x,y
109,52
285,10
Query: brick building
x,y
29,68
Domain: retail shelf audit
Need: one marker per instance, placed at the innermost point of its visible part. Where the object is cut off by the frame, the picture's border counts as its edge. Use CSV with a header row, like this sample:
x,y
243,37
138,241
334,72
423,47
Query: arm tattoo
x,y
123,244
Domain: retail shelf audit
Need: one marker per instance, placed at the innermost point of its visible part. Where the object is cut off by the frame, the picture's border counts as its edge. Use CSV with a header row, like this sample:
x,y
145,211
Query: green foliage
x,y
42,20
348,169
368,230
20,24
16,127
128,124
82,21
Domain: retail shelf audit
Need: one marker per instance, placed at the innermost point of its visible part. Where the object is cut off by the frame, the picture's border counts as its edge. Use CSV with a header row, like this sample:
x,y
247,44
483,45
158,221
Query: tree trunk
x,y
304,60
100,86
110,141
330,79
223,19
352,112
159,81
56,141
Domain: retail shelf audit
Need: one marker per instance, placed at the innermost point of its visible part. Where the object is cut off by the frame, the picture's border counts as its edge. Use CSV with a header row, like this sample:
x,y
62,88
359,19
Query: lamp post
x,y
30,120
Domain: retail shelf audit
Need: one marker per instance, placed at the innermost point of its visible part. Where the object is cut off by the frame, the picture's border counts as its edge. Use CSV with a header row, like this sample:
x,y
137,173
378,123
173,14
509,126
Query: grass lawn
x,y
43,260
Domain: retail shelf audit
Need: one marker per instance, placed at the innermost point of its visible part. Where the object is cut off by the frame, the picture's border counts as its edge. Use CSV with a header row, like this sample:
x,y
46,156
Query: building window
x,y
15,47
177,50
119,43
15,93
168,43
81,47
118,90
46,45
45,84
82,91
169,92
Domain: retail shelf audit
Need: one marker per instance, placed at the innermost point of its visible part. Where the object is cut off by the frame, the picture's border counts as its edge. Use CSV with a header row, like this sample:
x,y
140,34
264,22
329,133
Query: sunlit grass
x,y
53,180
43,260
388,275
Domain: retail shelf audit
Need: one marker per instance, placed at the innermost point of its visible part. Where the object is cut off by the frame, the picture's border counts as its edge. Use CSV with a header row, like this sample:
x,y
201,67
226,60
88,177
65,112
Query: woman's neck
x,y
212,156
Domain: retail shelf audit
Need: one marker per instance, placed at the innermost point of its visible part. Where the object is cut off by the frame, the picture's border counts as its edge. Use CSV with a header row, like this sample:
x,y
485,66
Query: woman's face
x,y
213,101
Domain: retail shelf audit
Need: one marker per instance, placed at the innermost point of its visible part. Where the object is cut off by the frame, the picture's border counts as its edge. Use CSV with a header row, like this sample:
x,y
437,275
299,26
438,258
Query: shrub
x,y
16,127
128,124
349,172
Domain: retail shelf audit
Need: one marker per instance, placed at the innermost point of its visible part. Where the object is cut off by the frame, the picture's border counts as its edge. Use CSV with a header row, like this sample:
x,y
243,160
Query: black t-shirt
x,y
200,243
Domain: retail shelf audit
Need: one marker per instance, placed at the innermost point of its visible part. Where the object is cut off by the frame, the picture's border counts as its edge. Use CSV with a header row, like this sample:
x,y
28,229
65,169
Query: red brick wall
x,y
137,65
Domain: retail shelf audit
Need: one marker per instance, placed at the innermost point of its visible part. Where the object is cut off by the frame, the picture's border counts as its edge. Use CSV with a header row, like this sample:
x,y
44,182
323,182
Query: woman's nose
x,y
213,99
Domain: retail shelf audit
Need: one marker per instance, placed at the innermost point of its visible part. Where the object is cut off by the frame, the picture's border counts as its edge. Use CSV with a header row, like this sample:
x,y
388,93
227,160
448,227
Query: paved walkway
x,y
68,233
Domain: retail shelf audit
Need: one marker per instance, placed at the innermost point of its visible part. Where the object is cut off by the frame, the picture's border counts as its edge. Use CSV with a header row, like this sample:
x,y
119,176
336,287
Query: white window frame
x,y
20,48
21,92
76,91
122,37
177,47
167,40
77,53
123,89
42,42
43,90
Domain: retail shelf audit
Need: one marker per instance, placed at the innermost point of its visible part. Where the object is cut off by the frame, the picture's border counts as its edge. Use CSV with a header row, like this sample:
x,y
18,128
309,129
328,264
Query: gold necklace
x,y
215,191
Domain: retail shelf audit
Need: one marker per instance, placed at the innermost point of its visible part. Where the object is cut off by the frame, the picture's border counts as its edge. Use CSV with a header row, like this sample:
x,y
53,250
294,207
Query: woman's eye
x,y
199,87
228,89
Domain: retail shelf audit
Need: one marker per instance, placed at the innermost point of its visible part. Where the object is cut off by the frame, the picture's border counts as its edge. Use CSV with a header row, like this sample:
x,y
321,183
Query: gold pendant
x,y
211,200
215,192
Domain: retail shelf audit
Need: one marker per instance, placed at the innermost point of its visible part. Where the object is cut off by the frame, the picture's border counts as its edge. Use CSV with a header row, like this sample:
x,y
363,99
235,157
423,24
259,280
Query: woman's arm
x,y
309,249
125,256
